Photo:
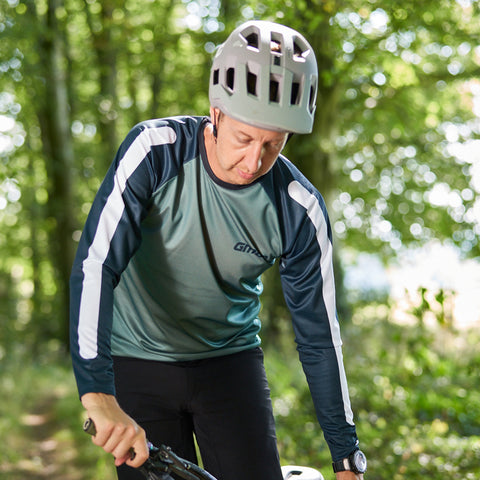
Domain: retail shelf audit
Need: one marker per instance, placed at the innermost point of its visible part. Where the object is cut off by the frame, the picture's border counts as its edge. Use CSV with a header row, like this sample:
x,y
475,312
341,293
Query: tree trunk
x,y
107,102
58,150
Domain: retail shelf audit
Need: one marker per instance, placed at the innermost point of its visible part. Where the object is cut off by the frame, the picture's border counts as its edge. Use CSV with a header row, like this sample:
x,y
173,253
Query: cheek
x,y
268,162
233,154
227,156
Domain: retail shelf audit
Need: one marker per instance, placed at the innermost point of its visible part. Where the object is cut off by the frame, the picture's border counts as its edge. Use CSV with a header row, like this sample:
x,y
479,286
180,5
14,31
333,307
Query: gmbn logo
x,y
245,248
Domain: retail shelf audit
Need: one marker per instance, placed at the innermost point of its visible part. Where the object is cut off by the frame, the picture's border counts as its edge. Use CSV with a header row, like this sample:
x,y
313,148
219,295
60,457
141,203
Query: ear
x,y
214,113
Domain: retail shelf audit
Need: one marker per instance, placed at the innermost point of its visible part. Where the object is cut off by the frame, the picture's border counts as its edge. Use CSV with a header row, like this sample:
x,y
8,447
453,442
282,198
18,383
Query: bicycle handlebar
x,y
161,462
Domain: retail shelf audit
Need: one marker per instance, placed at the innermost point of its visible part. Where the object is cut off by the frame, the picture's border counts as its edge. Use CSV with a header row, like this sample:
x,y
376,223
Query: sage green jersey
x,y
192,288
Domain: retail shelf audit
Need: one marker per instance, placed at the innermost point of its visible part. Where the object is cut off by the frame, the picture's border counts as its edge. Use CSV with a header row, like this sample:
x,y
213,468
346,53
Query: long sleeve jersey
x,y
170,261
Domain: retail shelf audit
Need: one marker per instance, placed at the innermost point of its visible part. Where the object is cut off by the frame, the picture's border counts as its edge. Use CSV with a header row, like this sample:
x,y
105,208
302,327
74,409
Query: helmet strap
x,y
215,131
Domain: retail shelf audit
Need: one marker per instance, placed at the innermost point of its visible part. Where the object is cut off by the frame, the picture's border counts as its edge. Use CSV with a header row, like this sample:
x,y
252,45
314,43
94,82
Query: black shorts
x,y
224,401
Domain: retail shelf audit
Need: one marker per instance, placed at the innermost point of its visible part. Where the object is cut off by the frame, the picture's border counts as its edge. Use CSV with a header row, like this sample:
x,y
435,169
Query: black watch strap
x,y
355,462
341,465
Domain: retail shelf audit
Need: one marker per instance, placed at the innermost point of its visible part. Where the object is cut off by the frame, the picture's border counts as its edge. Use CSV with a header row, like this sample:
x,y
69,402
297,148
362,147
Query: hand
x,y
348,475
117,433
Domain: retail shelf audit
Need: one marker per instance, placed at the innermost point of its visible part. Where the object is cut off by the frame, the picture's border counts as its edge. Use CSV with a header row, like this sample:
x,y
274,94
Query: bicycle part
x,y
293,472
161,462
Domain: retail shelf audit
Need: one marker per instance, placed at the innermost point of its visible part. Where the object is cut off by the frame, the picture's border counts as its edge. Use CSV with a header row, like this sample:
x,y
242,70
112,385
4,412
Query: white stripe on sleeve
x,y
107,225
302,196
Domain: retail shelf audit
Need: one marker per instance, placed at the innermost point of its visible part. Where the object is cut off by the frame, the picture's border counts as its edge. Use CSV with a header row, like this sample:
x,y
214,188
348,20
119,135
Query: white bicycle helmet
x,y
265,75
293,472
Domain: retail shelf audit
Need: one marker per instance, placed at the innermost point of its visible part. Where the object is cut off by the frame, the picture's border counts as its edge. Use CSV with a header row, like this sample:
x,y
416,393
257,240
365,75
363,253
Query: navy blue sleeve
x,y
306,270
110,238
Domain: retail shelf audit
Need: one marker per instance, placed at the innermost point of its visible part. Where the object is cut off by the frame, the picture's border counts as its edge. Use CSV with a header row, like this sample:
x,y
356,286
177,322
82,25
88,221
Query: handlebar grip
x,y
162,461
89,427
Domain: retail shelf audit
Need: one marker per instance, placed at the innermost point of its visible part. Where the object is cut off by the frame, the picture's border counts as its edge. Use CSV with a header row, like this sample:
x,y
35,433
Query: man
x,y
166,282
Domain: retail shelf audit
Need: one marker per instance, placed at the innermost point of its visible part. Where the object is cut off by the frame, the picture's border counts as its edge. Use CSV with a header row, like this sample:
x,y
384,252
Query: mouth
x,y
246,175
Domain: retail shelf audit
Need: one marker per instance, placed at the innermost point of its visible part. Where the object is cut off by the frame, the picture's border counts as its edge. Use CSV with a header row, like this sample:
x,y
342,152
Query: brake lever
x,y
182,467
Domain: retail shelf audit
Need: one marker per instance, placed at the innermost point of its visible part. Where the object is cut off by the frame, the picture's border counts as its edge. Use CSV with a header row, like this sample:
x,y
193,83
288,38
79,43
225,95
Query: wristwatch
x,y
356,462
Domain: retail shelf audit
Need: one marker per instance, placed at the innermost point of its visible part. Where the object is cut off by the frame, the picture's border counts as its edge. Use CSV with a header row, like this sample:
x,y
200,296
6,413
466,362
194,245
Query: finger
x,y
121,460
103,435
120,440
132,443
141,451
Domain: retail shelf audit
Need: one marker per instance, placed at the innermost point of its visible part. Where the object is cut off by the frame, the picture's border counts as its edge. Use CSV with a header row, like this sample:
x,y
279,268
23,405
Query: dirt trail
x,y
44,457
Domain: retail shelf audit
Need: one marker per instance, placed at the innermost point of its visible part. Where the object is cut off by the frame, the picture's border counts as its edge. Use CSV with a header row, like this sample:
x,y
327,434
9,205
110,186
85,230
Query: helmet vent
x,y
295,95
252,83
215,77
300,50
311,103
274,90
276,48
252,41
230,78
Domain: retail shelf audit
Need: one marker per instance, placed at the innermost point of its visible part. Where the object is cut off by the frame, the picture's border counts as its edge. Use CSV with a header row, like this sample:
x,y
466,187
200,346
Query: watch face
x,y
360,461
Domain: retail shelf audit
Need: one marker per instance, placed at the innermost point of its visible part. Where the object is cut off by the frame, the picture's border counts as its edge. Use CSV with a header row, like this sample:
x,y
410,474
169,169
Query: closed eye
x,y
244,140
277,144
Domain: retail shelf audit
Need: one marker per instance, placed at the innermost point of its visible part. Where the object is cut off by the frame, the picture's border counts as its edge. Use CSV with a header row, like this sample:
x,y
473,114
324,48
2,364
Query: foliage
x,y
396,124
415,392
395,121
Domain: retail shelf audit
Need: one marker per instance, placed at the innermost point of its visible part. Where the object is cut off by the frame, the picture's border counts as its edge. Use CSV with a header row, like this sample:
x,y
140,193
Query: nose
x,y
253,158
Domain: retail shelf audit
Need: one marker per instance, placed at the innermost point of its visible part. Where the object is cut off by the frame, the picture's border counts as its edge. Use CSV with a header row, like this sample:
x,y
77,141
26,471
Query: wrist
x,y
97,399
348,475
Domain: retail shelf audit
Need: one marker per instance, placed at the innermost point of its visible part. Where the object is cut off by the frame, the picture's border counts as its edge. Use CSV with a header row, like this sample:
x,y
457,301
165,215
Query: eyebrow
x,y
243,134
247,136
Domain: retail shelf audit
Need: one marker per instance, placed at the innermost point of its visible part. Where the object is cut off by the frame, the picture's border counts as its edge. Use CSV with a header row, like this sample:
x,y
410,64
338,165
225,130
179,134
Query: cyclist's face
x,y
242,153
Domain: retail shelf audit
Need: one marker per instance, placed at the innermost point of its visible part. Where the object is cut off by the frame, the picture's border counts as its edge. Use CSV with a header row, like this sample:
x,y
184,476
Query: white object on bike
x,y
293,472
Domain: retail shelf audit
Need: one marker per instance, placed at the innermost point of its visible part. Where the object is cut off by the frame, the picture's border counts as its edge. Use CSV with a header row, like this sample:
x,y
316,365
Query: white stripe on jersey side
x,y
107,225
308,201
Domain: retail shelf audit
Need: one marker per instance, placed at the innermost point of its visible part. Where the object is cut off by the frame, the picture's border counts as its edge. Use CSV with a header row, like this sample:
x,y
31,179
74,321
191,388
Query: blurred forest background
x,y
395,151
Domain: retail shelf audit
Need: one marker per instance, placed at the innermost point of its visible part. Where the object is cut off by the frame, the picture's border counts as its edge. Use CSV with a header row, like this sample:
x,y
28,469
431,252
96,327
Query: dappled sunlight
x,y
395,151
436,268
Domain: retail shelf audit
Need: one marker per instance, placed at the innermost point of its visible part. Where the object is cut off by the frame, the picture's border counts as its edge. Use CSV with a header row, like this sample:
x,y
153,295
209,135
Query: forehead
x,y
245,129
